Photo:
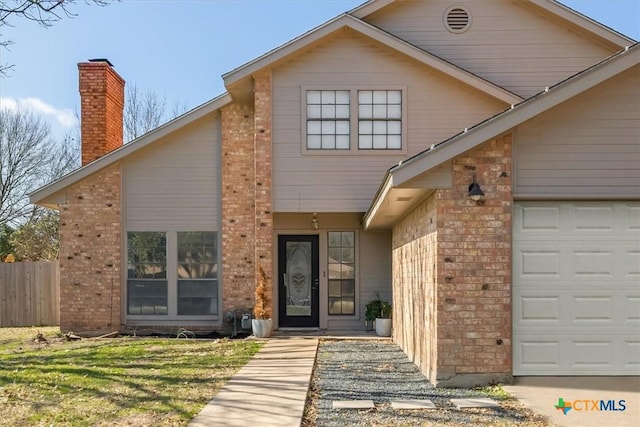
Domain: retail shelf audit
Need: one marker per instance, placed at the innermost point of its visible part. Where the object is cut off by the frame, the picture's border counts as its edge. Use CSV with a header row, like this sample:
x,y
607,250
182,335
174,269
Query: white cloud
x,y
63,116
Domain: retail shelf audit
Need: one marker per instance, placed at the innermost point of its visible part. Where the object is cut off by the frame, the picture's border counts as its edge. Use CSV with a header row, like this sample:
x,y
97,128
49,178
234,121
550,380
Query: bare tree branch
x,y
28,160
144,111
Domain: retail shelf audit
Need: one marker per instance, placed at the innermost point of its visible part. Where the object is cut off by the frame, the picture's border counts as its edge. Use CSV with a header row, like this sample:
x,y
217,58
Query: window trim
x,y
353,122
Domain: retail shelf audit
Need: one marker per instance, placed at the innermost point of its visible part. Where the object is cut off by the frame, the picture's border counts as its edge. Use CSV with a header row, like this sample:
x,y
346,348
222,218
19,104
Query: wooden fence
x,y
30,294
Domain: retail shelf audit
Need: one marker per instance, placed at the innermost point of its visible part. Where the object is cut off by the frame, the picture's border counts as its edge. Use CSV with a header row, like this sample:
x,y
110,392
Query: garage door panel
x,y
576,218
632,311
577,309
576,288
568,354
592,354
536,354
631,355
569,260
538,218
633,263
539,261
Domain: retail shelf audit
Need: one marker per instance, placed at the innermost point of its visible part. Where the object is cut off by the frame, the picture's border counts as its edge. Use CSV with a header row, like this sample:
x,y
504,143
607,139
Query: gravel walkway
x,y
380,371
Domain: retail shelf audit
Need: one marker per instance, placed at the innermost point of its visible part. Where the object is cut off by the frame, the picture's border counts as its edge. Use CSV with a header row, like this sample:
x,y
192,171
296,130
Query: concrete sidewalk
x,y
270,390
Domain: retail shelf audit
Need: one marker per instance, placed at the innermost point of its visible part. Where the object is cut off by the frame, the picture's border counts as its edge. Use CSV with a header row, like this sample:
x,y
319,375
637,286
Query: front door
x,y
298,283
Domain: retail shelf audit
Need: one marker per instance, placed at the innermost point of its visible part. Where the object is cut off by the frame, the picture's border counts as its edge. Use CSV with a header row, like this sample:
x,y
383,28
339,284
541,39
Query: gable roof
x,y
551,7
41,195
383,212
244,72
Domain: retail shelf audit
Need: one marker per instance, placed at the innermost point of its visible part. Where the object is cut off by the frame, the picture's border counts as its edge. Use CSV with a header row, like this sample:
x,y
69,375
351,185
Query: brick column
x,y
238,207
263,201
474,270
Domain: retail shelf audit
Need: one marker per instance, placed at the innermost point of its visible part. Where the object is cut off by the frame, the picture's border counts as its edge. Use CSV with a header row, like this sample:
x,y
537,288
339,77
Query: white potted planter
x,y
261,327
380,312
383,327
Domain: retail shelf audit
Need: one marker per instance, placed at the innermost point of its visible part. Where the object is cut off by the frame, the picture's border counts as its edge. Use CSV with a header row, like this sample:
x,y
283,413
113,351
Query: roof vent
x,y
457,19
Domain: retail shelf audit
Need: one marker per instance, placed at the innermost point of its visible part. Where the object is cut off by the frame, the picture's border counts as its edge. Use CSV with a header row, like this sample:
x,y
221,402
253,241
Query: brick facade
x,y
263,183
90,255
414,285
102,106
466,313
247,218
238,216
90,218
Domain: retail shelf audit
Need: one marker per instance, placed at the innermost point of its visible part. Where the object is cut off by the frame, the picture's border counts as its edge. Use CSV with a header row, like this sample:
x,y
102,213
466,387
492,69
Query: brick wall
x,y
102,104
247,218
452,268
90,255
238,207
414,285
474,269
263,201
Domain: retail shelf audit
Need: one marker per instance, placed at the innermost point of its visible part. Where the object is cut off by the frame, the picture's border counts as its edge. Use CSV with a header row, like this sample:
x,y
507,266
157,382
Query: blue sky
x,y
180,49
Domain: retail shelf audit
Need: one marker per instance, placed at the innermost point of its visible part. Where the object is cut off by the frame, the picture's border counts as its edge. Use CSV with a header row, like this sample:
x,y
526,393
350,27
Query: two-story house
x,y
342,163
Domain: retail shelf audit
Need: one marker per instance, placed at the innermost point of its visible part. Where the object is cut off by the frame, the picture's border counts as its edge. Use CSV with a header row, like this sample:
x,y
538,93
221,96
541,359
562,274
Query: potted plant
x,y
261,324
380,312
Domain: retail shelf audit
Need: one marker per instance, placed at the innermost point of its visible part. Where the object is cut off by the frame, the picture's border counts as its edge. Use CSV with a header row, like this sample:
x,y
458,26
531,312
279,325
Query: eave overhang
x,y
408,173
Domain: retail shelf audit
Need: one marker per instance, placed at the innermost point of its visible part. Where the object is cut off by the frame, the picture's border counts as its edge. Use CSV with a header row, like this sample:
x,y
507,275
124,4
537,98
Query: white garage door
x,y
576,288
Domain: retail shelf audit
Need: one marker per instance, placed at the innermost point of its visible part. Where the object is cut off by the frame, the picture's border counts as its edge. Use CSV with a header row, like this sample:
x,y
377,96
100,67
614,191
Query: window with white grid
x,y
380,119
328,120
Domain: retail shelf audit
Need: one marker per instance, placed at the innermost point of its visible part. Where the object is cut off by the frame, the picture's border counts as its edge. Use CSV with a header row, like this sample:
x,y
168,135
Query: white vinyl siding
x,y
588,147
576,288
174,184
435,106
507,42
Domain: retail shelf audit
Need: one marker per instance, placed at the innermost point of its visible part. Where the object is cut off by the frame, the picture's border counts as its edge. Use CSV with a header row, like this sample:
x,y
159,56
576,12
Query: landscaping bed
x,y
379,371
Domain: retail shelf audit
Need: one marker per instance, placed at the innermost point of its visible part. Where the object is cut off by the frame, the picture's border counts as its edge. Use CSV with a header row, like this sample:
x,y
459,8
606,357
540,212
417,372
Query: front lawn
x,y
111,381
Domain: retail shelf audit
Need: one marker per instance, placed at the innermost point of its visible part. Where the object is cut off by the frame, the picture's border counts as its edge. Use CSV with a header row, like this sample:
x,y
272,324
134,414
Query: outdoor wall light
x,y
475,192
314,222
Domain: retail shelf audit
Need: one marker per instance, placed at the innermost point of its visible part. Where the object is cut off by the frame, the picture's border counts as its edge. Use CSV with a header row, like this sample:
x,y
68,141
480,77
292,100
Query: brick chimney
x,y
101,108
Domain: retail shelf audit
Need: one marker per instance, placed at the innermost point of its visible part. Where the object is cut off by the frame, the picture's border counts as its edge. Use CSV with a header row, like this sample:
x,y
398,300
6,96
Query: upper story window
x,y
379,125
328,113
380,119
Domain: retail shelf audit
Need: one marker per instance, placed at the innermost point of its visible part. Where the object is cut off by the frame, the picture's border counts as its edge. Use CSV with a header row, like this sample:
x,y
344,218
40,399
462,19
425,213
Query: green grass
x,y
495,392
117,381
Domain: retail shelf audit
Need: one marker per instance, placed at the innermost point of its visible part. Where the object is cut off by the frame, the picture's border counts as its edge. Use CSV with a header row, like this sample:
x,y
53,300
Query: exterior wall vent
x,y
457,19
